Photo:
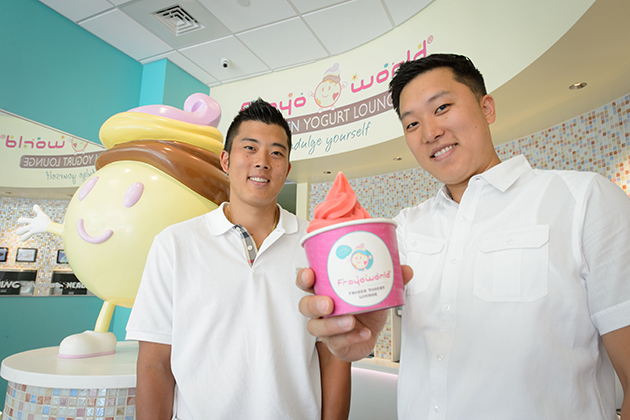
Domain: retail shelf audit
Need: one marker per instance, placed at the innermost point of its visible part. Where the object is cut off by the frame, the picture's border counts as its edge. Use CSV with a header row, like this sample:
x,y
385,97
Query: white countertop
x,y
42,367
377,364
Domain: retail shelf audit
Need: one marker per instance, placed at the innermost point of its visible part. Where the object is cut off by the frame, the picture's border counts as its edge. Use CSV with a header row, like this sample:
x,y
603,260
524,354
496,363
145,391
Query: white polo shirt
x,y
240,348
512,290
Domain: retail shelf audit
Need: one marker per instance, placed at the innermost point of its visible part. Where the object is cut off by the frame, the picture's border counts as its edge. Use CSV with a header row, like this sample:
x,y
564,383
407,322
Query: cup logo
x,y
360,269
361,258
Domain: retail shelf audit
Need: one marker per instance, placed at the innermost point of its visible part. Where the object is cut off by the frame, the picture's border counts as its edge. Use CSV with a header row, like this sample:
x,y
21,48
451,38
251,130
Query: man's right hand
x,y
349,337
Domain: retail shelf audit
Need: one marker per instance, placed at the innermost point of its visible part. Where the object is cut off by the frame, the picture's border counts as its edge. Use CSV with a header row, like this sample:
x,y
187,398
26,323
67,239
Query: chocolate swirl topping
x,y
197,168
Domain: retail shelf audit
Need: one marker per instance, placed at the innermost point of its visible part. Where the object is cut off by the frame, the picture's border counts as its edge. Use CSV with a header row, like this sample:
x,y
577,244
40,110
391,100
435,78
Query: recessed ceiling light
x,y
397,158
576,86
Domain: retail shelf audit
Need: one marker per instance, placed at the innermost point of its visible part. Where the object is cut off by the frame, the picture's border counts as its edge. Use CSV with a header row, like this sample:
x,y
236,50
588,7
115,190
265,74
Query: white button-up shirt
x,y
239,346
513,288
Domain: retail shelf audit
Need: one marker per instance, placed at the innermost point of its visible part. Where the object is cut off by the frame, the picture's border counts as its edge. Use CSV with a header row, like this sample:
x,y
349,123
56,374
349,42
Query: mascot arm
x,y
40,224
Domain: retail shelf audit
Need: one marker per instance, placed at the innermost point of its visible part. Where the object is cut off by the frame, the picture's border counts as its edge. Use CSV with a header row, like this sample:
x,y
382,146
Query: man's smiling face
x,y
447,129
258,163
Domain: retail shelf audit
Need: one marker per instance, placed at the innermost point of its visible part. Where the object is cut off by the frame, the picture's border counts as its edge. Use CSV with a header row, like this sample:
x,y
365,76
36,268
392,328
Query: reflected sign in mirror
x,y
16,282
35,156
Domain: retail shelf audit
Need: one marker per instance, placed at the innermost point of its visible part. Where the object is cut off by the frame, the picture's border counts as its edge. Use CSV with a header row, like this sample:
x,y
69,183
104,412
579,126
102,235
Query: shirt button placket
x,y
436,412
439,365
452,269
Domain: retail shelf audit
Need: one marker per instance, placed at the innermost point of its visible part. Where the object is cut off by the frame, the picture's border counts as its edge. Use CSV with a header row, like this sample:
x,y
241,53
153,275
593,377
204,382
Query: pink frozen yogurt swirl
x,y
198,109
340,205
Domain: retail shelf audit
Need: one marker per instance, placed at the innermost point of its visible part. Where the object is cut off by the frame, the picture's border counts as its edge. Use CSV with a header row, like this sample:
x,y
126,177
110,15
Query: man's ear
x,y
487,106
289,170
225,161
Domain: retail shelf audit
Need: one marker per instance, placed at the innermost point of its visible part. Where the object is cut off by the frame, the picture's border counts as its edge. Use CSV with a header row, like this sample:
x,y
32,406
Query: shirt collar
x,y
501,176
219,224
288,222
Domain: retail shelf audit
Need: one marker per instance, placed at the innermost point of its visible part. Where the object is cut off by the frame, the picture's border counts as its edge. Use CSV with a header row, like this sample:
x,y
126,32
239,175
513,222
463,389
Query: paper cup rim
x,y
344,224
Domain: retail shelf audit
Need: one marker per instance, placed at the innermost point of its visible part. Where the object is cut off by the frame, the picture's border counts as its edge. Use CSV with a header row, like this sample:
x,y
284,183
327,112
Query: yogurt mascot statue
x,y
161,167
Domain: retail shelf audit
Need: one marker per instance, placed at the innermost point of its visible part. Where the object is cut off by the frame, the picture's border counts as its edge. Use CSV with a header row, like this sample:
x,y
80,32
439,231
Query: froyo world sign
x,y
35,156
345,115
339,114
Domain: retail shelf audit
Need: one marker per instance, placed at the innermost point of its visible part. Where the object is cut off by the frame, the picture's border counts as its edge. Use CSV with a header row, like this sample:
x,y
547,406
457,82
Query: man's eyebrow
x,y
252,140
404,114
435,97
438,95
282,146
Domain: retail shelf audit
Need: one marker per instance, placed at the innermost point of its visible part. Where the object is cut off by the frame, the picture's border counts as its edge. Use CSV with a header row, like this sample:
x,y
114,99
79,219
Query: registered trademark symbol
x,y
430,39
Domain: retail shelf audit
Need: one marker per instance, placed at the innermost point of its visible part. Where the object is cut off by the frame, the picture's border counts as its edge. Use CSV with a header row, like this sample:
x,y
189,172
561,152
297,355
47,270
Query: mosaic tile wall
x,y
39,403
598,141
383,348
47,244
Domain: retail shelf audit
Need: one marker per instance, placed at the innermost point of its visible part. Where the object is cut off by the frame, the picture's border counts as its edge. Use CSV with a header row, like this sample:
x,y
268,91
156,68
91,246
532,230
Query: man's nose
x,y
431,130
262,161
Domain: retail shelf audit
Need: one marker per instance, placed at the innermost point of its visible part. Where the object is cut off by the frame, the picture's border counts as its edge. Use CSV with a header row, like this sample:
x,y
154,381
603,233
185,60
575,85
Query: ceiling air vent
x,y
177,20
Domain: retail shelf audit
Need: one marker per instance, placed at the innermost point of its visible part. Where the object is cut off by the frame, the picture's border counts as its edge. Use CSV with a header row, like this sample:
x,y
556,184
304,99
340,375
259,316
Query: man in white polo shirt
x,y
520,298
216,313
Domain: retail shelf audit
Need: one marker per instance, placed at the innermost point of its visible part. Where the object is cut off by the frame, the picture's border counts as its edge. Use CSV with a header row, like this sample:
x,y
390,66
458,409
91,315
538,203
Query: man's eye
x,y
442,108
412,125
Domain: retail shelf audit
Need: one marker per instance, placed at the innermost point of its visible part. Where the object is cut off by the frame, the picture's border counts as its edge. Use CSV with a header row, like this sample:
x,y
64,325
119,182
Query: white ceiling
x,y
594,50
261,37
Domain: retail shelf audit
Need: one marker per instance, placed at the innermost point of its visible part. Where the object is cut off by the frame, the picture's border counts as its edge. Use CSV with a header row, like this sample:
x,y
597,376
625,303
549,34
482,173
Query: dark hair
x,y
464,71
261,111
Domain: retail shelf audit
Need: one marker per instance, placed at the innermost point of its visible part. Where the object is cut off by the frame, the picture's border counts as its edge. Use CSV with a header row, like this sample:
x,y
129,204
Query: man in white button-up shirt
x,y
520,298
220,336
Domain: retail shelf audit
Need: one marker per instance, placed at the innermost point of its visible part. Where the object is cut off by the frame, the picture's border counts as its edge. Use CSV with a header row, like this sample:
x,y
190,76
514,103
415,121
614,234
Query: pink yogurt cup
x,y
357,265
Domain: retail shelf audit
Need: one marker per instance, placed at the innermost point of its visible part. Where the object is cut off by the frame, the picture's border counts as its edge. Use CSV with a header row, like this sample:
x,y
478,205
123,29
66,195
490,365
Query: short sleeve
x,y
606,252
400,235
152,313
